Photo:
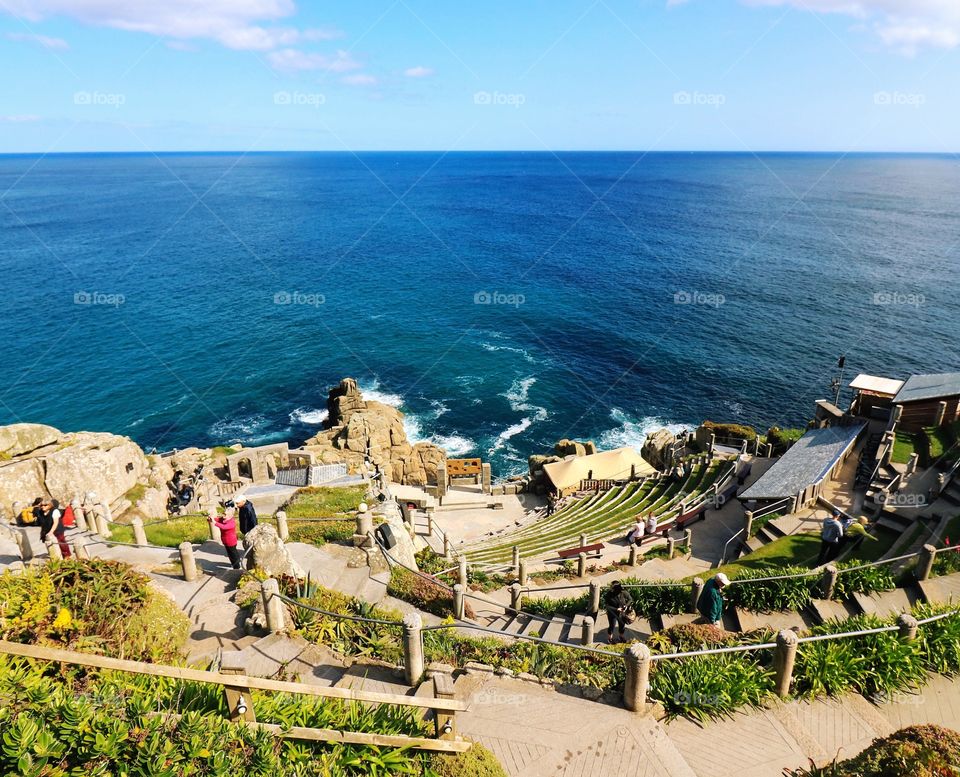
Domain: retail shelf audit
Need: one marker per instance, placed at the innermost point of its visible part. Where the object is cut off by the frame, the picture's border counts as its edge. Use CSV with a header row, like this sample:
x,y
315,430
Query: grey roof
x,y
943,384
810,458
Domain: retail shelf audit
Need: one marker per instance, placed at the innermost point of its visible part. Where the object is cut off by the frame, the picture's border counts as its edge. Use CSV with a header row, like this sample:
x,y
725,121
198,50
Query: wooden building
x,y
927,400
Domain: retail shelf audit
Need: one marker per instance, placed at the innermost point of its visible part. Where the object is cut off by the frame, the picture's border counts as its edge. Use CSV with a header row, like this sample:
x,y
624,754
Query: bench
x,y
588,549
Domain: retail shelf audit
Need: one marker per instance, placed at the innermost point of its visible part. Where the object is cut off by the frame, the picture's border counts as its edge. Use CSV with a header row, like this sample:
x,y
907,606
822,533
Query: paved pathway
x,y
536,732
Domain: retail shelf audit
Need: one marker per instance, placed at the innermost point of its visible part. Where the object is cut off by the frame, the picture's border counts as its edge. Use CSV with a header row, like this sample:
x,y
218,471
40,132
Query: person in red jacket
x,y
228,534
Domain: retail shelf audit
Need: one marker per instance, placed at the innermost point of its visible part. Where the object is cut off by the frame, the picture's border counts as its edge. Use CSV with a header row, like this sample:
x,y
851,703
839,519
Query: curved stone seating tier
x,y
599,519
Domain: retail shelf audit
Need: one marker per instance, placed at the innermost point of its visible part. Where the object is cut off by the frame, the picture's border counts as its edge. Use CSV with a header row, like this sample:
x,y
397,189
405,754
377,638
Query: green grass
x,y
223,450
792,550
324,502
904,447
169,534
136,493
874,550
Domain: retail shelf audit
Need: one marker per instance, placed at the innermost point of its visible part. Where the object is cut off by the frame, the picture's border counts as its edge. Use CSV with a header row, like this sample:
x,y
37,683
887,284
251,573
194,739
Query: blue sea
x,y
502,300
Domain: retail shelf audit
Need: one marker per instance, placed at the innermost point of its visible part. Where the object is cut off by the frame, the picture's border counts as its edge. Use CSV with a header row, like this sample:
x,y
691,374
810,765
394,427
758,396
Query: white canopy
x,y
606,465
887,387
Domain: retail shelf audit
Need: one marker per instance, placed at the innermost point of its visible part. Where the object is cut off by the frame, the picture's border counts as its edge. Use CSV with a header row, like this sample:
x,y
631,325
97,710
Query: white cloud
x,y
236,24
418,72
297,60
43,40
905,25
20,119
360,79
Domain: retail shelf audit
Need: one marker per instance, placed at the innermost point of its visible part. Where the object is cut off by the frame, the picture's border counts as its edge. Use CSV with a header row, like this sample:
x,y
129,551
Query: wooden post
x,y
80,549
412,648
516,598
594,598
589,624
908,627
459,603
272,605
828,583
105,518
283,528
747,525
582,565
516,558
671,548
212,528
637,681
239,706
462,571
139,535
78,513
447,550
696,589
445,721
188,562
633,555
583,540
522,571
24,546
688,540
925,565
784,658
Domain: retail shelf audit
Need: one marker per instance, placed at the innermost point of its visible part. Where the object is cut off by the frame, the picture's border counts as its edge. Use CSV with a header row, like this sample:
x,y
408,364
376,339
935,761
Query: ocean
x,y
501,300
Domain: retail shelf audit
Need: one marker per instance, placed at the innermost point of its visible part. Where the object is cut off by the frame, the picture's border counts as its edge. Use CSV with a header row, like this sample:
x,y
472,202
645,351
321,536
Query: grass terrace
x,y
601,517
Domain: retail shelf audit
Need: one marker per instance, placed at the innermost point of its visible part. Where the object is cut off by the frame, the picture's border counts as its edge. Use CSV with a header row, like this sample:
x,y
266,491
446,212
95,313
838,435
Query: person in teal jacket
x,y
711,600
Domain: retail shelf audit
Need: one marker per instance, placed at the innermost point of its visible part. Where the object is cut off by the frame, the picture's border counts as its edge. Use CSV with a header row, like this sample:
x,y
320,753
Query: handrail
x,y
541,640
773,507
723,555
337,615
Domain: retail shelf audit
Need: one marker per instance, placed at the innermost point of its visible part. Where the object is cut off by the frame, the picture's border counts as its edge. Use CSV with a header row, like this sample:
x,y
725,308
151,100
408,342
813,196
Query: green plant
x,y
939,640
786,593
918,751
689,637
321,532
136,493
782,439
865,580
324,502
476,762
422,592
758,523
548,608
660,597
703,687
731,431
946,562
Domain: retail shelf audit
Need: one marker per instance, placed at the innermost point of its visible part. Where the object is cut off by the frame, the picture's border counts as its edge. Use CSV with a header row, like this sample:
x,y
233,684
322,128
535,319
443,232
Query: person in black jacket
x,y
618,603
247,514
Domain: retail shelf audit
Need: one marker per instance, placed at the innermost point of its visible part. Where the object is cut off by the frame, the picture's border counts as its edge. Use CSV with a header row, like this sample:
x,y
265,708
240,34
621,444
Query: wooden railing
x,y
235,685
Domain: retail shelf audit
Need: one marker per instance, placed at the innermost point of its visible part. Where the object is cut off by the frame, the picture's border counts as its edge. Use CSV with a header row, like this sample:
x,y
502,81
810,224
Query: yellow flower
x,y
63,621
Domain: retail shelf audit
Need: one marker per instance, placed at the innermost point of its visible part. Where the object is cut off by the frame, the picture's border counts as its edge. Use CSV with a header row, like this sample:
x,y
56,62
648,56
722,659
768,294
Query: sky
x,y
261,75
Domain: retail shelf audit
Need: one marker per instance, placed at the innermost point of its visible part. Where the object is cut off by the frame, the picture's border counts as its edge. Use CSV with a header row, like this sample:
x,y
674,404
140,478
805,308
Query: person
x,y
710,603
857,532
551,504
618,603
228,534
830,536
635,534
31,514
52,523
651,524
247,514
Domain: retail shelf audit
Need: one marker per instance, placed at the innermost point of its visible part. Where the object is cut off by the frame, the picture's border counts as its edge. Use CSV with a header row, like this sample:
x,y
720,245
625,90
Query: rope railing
x,y
714,651
528,637
337,615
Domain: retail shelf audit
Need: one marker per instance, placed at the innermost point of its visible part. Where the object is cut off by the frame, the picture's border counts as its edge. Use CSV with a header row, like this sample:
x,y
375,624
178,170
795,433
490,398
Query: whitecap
x,y
371,392
632,433
453,444
241,429
494,348
309,415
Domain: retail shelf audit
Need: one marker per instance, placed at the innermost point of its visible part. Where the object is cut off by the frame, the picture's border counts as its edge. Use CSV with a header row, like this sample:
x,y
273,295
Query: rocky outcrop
x,y
42,461
361,429
566,448
269,554
659,449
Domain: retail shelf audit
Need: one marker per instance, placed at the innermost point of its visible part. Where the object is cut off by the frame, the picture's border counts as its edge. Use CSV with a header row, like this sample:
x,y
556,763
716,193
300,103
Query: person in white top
x,y
636,533
651,524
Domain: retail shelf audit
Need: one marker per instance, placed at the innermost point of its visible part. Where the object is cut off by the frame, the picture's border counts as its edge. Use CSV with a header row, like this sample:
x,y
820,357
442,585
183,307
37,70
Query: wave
x,y
371,392
439,408
453,444
309,415
518,396
512,349
632,432
248,429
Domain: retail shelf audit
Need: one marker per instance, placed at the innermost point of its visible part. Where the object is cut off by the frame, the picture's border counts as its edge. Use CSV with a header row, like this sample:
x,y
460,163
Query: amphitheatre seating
x,y
574,552
606,516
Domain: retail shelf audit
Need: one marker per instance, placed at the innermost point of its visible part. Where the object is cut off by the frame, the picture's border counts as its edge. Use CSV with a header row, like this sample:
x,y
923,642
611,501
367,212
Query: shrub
x,y
568,606
758,523
689,637
782,439
702,687
476,762
862,581
734,431
656,598
321,532
423,593
946,562
920,751
97,605
324,501
939,640
872,664
789,593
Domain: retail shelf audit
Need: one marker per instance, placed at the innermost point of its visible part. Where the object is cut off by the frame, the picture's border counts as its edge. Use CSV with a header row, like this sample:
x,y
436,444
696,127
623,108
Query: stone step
x,y
941,590
776,621
754,543
887,603
824,610
558,630
766,535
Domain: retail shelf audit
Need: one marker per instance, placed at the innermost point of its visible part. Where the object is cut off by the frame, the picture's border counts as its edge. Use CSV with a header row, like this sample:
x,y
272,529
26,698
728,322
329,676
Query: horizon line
x,y
811,152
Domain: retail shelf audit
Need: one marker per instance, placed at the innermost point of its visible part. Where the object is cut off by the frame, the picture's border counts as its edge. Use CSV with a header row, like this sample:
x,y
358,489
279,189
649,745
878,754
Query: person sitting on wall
x,y
710,603
651,524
